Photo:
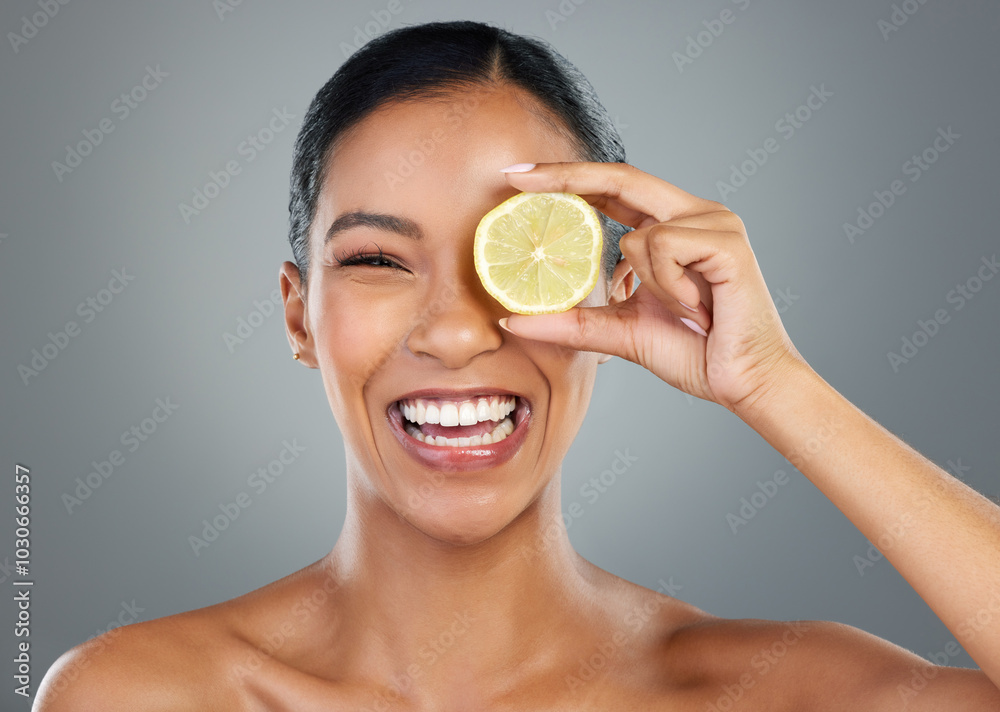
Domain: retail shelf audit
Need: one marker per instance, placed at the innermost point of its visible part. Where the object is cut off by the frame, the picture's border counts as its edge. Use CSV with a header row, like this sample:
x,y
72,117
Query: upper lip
x,y
459,394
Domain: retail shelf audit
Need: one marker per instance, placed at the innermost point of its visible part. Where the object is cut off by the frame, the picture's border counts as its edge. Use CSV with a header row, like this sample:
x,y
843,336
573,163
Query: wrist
x,y
792,381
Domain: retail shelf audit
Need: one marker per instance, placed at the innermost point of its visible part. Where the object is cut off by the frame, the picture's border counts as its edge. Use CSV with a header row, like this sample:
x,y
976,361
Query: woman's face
x,y
417,326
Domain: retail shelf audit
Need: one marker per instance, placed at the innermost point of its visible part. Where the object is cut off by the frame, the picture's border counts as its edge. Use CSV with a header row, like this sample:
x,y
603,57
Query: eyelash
x,y
360,257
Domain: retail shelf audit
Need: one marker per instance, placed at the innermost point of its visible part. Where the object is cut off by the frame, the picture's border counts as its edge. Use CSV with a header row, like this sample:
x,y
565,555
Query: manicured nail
x,y
518,168
694,327
694,309
503,325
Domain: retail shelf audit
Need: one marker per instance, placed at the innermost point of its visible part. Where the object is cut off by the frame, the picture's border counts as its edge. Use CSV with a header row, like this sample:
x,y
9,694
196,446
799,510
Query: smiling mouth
x,y
468,422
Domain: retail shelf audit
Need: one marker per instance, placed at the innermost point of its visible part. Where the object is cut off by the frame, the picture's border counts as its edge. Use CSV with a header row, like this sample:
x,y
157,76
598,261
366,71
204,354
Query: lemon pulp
x,y
539,253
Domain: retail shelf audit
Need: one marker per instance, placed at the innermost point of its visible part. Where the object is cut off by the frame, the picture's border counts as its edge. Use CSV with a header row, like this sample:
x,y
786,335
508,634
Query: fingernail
x,y
694,309
694,327
518,168
503,325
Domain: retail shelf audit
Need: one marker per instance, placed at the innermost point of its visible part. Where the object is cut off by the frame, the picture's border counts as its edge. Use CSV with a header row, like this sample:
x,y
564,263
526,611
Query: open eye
x,y
364,256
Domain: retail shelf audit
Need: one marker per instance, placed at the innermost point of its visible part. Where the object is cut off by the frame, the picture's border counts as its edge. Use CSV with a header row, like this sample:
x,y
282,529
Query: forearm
x,y
940,534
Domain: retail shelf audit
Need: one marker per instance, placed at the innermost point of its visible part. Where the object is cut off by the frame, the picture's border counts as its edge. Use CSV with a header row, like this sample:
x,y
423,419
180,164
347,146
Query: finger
x,y
722,220
677,263
619,190
682,300
611,329
580,328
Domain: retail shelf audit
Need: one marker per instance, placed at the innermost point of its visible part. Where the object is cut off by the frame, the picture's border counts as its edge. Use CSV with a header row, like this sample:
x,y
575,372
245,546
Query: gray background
x,y
666,516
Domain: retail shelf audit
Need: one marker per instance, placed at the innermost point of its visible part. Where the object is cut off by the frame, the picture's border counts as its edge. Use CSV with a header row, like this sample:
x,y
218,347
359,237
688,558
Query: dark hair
x,y
429,61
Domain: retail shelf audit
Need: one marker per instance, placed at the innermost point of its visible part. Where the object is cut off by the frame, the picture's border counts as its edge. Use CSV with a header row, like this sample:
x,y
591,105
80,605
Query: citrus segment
x,y
539,253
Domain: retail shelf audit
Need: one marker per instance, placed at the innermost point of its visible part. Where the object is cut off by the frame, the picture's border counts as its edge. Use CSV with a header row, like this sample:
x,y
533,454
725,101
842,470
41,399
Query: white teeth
x,y
504,428
449,415
453,413
467,414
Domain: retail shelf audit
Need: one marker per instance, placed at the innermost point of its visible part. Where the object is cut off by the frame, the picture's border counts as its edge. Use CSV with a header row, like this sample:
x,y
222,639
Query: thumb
x,y
601,329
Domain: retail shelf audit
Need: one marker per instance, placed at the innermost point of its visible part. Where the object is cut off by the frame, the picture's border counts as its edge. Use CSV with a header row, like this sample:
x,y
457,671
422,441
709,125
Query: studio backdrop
x,y
178,456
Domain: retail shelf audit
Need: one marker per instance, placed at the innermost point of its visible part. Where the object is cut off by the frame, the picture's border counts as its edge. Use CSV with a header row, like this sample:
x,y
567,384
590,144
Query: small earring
x,y
295,355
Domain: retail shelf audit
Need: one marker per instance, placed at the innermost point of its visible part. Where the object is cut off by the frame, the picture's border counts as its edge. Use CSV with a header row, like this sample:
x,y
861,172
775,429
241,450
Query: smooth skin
x,y
461,591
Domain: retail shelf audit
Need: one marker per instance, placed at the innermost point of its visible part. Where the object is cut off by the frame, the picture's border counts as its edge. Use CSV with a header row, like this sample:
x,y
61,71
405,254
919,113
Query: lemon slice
x,y
539,253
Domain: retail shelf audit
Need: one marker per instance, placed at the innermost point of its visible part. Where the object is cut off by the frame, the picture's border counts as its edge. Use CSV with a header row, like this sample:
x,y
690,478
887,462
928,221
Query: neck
x,y
411,607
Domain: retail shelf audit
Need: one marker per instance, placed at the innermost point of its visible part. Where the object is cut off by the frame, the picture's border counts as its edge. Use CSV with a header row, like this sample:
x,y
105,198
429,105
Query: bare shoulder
x,y
167,664
820,665
196,660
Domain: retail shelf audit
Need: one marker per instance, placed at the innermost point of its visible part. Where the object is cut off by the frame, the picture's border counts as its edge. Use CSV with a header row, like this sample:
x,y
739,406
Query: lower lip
x,y
473,457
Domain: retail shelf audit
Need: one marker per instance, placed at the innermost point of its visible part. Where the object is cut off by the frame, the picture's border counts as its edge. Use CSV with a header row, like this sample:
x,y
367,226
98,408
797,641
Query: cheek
x,y
570,374
581,370
356,333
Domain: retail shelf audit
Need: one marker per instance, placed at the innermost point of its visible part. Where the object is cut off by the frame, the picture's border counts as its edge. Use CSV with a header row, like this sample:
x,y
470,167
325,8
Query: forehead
x,y
439,156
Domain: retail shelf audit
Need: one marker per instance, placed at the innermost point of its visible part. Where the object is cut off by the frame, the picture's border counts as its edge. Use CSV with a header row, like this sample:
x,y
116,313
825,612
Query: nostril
x,y
454,331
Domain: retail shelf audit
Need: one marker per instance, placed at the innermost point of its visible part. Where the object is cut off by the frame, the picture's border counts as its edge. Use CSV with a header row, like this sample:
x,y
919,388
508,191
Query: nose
x,y
458,323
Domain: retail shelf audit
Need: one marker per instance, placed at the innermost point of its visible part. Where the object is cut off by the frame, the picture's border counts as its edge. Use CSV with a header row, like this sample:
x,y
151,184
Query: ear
x,y
621,288
622,282
296,316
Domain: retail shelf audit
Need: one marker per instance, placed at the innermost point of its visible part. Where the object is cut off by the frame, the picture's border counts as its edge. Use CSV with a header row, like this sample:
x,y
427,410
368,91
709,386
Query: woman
x,y
453,584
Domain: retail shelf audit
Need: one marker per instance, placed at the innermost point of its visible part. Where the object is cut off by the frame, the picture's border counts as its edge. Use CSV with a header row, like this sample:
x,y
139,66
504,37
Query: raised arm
x,y
703,320
940,534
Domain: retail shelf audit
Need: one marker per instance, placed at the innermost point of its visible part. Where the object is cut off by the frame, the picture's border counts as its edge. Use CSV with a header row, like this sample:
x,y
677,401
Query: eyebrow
x,y
379,221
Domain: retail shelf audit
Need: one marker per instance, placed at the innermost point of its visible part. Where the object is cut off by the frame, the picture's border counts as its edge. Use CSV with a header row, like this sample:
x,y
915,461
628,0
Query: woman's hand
x,y
685,250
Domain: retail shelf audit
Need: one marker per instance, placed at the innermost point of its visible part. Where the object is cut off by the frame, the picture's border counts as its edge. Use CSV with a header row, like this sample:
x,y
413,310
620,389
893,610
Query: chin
x,y
460,523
